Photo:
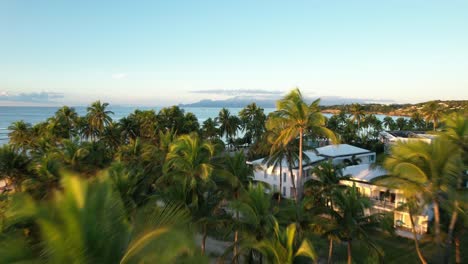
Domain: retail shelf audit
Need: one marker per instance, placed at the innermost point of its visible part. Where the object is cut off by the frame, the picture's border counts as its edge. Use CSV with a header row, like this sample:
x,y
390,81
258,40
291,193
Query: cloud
x,y
42,97
238,92
119,76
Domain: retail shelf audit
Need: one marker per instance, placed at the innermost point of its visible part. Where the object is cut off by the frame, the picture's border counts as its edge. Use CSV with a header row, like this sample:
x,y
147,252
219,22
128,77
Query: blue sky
x,y
166,52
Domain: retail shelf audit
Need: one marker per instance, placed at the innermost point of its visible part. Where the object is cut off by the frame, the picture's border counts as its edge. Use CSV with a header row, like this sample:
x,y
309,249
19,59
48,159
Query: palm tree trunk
x,y
415,237
236,238
457,250
330,251
453,221
437,229
349,252
299,176
203,246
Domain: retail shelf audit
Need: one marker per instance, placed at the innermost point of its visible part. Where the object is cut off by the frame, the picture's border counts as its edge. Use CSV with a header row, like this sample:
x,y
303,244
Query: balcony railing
x,y
383,204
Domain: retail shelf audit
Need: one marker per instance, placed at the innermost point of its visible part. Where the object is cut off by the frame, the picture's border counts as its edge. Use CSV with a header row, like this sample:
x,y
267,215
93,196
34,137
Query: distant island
x,y
334,105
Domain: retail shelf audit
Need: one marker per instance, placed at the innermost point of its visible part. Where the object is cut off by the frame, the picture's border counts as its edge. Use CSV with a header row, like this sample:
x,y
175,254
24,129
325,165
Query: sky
x,y
159,53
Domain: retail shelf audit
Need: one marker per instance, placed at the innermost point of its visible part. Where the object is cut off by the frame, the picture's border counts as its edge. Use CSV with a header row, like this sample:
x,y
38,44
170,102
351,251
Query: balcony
x,y
382,204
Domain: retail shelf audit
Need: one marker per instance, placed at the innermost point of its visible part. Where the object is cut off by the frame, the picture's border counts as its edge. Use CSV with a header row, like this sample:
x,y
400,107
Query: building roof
x,y
332,151
312,158
364,172
407,134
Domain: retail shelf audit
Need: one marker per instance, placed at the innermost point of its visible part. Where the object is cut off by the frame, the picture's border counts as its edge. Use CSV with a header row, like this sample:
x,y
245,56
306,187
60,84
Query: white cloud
x,y
119,76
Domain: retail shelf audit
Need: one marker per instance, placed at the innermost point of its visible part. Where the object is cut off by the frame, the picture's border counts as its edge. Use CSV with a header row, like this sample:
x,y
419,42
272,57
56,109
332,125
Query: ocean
x,y
34,115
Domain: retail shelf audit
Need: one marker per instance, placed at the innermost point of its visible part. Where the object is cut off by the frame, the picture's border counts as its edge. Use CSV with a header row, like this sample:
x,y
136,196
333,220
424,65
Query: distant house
x,y
388,138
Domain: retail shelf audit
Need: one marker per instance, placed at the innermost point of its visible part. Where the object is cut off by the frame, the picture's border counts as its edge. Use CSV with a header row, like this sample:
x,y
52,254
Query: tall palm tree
x,y
418,120
253,120
256,219
228,124
298,119
209,129
389,123
238,175
357,114
20,136
426,167
456,132
67,119
189,167
432,111
86,223
326,181
98,117
284,247
352,222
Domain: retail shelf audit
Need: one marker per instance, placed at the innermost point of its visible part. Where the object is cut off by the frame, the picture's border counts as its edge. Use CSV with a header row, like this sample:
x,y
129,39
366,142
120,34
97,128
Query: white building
x,y
388,138
339,154
384,199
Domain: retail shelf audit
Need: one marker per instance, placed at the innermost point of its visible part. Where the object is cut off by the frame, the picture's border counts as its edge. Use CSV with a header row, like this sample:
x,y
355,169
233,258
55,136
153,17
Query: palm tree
x,y
20,136
86,223
456,132
284,247
326,181
98,117
67,119
253,121
426,167
256,219
189,167
297,118
352,222
432,111
228,124
13,166
209,129
357,114
418,120
401,123
389,123
238,175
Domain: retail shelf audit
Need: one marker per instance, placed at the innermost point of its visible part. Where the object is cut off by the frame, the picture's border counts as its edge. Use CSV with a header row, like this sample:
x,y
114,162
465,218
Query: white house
x,y
388,138
339,154
384,199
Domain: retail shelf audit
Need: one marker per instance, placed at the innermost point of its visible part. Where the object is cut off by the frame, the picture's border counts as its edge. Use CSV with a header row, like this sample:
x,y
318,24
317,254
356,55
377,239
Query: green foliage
x,y
86,223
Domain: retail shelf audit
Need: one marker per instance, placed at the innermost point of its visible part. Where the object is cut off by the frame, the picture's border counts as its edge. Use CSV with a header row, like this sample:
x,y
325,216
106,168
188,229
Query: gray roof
x,y
339,150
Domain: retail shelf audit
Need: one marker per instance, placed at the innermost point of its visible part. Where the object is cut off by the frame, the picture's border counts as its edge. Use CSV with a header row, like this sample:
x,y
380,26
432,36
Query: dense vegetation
x,y
400,109
158,187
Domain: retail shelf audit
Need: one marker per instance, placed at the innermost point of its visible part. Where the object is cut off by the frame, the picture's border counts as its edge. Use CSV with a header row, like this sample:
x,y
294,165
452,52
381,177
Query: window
x,y
275,187
284,176
371,158
284,191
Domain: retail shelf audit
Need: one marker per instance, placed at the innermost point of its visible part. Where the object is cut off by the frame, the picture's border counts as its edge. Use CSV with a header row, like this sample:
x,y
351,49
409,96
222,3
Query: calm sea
x,y
34,115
